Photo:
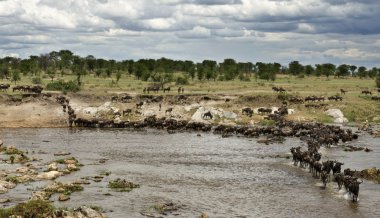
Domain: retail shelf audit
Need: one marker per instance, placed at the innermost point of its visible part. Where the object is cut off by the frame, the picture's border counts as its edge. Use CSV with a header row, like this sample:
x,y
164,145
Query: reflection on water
x,y
223,177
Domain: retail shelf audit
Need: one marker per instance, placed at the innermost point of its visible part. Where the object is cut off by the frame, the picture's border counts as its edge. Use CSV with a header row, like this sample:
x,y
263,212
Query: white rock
x,y
4,186
88,212
148,113
49,175
72,167
53,166
337,115
291,111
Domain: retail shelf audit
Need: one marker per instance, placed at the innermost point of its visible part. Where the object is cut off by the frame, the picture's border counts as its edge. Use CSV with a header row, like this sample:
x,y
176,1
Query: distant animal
x,y
166,89
4,87
343,91
179,90
140,104
247,111
169,110
265,110
114,98
366,92
207,115
127,111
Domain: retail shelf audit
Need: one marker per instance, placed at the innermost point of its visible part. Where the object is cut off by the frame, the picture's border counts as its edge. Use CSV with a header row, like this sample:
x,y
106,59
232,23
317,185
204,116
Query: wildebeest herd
x,y
311,158
30,89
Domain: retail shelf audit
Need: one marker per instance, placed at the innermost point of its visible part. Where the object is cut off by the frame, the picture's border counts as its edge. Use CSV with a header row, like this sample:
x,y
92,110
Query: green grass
x,y
122,185
33,208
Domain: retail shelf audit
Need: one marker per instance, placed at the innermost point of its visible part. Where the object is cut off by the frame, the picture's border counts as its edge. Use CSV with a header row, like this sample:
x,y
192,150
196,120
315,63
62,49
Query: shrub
x,y
37,80
63,86
182,80
33,208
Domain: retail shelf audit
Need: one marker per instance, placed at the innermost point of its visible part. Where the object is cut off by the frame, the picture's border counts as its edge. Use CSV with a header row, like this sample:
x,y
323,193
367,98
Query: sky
x,y
310,31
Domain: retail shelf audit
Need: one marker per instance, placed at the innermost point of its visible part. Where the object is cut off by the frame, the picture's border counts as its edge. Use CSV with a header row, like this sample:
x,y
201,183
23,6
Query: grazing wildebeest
x,y
207,115
265,110
166,89
114,98
169,110
127,111
366,92
247,111
179,90
4,87
140,104
126,98
342,91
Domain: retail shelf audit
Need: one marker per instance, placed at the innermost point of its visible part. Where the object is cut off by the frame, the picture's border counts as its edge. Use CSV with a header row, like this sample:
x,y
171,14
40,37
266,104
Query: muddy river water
x,y
223,177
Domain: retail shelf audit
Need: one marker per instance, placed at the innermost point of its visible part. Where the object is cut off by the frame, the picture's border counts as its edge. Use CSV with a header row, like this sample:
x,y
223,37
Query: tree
x,y
328,69
377,81
309,70
51,73
78,68
268,71
200,72
373,72
362,72
15,76
295,68
318,69
353,69
343,70
118,75
4,71
229,69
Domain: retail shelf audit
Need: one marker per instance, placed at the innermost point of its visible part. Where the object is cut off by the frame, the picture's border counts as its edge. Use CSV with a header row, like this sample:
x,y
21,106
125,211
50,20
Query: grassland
x,y
355,106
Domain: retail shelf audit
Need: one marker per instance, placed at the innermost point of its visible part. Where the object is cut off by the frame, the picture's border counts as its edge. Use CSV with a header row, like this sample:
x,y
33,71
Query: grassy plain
x,y
355,106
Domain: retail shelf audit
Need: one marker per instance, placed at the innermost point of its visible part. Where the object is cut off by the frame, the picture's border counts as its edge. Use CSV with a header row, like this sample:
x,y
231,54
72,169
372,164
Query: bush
x,y
182,80
63,86
36,80
33,208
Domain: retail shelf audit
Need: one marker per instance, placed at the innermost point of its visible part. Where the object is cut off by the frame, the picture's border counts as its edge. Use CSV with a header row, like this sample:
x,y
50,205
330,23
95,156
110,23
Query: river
x,y
222,177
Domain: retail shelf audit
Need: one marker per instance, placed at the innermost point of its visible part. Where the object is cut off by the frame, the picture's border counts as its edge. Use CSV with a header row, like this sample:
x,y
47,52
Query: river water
x,y
223,177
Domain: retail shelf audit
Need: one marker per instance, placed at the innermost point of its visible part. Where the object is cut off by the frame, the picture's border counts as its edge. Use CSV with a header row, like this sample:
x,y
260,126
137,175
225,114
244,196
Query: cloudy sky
x,y
311,31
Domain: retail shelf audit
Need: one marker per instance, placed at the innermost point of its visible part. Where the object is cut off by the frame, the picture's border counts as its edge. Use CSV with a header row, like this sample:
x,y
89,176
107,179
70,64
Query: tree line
x,y
165,70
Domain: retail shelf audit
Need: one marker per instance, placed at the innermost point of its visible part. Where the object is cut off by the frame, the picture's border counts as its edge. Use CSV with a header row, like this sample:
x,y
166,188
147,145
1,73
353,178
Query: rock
x,y
62,153
70,161
216,113
53,167
203,215
263,139
49,175
72,167
4,186
337,115
22,170
81,182
149,113
39,195
117,120
63,197
87,212
4,200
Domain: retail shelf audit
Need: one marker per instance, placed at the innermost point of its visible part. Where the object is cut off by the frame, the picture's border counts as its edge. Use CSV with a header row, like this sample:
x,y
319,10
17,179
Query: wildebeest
x,y
125,98
366,92
247,111
353,187
296,100
179,90
207,115
4,87
342,91
335,98
114,98
337,167
127,111
264,110
166,89
140,104
376,98
278,89
324,178
169,110
339,179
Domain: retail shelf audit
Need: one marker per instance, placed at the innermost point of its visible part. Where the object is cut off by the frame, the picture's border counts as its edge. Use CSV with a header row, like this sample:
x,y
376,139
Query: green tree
x,y
229,69
343,70
295,68
15,75
4,71
200,71
78,68
51,73
373,72
353,69
328,69
118,76
362,72
377,81
309,70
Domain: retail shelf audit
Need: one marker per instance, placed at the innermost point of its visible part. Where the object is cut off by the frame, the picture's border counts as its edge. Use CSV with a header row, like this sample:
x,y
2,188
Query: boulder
x,y
72,167
53,167
337,115
63,197
49,175
85,211
4,186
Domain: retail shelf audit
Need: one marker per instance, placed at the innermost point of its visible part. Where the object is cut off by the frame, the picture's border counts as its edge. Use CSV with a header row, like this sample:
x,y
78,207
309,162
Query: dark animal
x,y
264,110
4,87
337,167
166,89
127,111
114,98
366,92
179,90
140,104
207,115
342,91
169,110
247,111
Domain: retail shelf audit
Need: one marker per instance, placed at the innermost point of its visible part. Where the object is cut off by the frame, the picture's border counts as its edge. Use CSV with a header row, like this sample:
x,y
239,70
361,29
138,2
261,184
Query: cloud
x,y
272,30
